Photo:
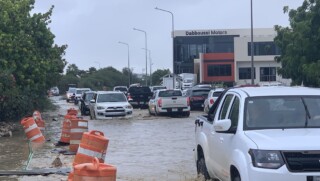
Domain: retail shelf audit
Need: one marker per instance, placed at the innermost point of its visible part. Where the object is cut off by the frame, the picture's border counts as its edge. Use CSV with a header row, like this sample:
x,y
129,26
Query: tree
x,y
158,74
29,55
300,44
73,70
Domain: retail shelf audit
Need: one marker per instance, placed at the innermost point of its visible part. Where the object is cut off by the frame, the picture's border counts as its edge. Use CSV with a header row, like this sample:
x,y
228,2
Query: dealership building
x,y
224,55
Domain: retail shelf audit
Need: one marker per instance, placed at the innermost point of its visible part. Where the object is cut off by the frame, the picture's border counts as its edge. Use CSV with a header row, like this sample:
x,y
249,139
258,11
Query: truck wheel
x,y
236,176
187,114
202,168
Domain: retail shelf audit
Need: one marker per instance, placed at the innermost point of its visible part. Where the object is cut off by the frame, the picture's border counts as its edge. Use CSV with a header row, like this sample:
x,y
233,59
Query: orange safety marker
x,y
38,119
78,127
93,144
32,130
94,171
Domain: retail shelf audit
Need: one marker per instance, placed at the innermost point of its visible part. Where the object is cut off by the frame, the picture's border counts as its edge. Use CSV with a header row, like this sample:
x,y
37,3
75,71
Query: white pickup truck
x,y
165,101
260,134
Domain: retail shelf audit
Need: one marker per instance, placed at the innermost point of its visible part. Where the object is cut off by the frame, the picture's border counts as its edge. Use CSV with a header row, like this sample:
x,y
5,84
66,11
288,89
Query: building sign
x,y
206,33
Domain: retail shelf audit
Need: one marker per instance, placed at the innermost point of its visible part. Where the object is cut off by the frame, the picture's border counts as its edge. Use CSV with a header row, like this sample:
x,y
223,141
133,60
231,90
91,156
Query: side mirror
x,y
92,101
222,125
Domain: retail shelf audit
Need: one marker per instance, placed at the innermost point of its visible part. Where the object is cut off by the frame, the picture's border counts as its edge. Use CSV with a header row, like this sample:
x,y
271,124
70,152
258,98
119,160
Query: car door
x,y
92,104
217,140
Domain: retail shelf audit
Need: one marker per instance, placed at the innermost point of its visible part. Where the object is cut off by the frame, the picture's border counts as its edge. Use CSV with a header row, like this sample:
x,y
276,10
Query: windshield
x,y
170,93
112,98
81,91
89,96
201,92
282,112
122,89
72,91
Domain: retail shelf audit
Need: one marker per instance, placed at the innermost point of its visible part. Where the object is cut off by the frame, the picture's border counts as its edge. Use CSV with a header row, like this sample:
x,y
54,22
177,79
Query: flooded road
x,y
158,149
143,148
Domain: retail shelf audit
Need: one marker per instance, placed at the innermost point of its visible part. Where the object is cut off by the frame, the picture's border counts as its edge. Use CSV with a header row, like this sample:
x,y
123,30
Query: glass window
x,y
112,98
170,93
263,48
219,70
267,73
225,107
245,73
234,113
282,112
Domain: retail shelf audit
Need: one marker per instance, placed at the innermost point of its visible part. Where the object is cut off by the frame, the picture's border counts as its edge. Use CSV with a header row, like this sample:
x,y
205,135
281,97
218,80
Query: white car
x,y
70,94
109,104
78,94
260,134
212,97
166,101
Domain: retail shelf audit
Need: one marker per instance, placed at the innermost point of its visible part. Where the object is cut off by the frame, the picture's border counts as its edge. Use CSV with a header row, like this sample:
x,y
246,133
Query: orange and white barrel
x,y
78,127
94,171
93,144
32,130
39,121
72,111
66,127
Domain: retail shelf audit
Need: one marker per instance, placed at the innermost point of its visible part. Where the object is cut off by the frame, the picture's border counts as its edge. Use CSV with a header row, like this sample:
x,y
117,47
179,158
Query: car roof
x,y
83,88
277,91
109,92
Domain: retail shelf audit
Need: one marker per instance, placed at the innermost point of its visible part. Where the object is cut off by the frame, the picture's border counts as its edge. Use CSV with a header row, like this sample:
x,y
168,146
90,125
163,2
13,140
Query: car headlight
x,y
128,107
266,158
100,107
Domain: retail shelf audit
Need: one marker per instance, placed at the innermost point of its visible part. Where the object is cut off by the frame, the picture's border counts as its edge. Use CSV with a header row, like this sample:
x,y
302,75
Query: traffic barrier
x,y
94,171
78,127
72,111
38,119
93,144
66,126
32,130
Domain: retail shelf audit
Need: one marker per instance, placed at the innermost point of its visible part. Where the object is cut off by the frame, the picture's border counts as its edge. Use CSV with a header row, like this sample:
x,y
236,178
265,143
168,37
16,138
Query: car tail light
x,y
188,101
211,101
160,102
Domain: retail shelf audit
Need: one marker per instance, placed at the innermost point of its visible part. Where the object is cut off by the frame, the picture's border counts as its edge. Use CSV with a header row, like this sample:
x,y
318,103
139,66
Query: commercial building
x,y
224,55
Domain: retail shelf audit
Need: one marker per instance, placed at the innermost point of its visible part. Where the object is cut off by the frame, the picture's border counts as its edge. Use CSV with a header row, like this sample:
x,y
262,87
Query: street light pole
x,y
129,73
150,65
172,18
146,47
252,66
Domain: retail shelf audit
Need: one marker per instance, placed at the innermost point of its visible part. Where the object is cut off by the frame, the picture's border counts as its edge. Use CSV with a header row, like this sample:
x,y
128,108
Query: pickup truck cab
x,y
260,134
166,101
139,96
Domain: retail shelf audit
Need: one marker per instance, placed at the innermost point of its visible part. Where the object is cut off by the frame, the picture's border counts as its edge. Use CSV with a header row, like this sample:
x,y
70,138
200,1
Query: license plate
x,y
174,109
313,178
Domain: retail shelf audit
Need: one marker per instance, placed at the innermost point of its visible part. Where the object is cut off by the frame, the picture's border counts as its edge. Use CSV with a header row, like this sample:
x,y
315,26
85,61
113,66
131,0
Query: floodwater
x,y
159,149
142,148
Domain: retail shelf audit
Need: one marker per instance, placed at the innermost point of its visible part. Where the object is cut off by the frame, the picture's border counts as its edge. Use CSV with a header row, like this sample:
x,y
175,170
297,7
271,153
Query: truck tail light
x,y
129,97
160,102
211,101
188,101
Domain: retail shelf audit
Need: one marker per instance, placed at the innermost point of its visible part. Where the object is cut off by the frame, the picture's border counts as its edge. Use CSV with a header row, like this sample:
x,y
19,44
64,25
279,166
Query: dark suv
x,y
139,96
84,102
197,96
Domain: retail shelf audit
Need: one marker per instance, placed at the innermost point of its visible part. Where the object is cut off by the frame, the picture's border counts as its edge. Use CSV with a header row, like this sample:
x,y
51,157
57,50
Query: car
x,y
54,91
139,96
197,97
123,89
166,101
109,104
202,86
157,87
212,97
84,102
70,94
78,94
260,134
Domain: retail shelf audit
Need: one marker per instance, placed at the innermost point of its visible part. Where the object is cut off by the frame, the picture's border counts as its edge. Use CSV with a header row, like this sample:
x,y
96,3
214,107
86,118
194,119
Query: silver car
x,y
109,104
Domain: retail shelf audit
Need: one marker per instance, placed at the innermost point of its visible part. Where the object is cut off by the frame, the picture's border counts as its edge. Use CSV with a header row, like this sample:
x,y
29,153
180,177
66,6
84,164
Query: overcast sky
x,y
93,28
